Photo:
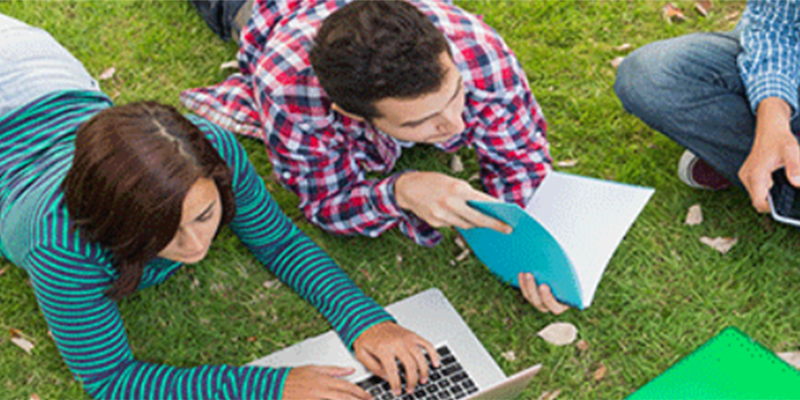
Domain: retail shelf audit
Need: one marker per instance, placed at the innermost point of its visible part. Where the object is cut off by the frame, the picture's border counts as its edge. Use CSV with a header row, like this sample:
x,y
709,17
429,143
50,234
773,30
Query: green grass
x,y
663,294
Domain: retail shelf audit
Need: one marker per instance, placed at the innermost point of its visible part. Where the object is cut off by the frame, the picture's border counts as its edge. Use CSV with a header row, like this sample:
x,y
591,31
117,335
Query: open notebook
x,y
565,236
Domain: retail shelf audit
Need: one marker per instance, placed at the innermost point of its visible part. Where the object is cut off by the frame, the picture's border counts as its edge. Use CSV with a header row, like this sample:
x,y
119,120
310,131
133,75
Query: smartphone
x,y
784,202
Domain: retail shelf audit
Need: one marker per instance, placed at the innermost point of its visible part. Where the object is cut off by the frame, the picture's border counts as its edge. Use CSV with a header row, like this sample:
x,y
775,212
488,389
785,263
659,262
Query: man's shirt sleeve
x,y
770,60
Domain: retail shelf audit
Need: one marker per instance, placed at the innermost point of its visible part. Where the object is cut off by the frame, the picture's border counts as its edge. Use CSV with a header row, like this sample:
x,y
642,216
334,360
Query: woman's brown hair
x,y
133,166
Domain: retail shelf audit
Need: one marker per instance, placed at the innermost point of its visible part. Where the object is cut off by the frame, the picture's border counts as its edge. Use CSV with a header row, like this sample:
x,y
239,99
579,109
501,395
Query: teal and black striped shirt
x,y
69,276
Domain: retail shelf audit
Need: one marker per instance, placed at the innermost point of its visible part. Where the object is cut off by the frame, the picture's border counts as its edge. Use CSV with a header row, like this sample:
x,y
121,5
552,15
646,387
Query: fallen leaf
x,y
616,62
34,396
195,284
568,163
548,395
702,6
464,254
582,345
251,339
732,15
600,372
399,259
460,243
456,165
273,284
229,65
509,355
474,177
107,74
721,244
623,47
453,262
671,11
3,271
366,274
791,357
559,333
23,344
694,216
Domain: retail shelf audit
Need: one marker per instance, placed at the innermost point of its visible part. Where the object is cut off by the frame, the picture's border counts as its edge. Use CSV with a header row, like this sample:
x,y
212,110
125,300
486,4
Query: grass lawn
x,y
663,294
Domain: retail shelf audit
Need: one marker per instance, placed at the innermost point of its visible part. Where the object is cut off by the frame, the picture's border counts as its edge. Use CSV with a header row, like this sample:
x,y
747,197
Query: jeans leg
x,y
689,88
220,15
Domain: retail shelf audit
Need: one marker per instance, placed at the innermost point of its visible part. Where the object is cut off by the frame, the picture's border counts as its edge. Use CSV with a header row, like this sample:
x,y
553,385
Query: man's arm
x,y
769,69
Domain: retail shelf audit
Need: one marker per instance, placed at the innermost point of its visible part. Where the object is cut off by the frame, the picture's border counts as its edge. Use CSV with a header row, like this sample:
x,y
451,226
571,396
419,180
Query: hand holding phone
x,y
784,202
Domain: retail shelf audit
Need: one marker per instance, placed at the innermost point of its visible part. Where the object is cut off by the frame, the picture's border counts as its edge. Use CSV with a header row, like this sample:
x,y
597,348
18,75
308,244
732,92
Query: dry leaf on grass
x,y
460,243
3,271
721,244
21,342
548,395
582,345
600,372
474,177
568,163
559,333
195,284
509,355
702,6
791,357
34,396
399,259
273,284
366,274
107,74
464,254
623,47
732,15
694,216
672,11
229,65
616,62
456,165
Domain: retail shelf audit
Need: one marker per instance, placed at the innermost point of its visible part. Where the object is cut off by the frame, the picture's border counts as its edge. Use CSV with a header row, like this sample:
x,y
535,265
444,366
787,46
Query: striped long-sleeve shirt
x,y
770,60
69,276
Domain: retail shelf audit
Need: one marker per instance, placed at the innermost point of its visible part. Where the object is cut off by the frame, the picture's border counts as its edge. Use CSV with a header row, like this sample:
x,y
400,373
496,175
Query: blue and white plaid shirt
x,y
770,60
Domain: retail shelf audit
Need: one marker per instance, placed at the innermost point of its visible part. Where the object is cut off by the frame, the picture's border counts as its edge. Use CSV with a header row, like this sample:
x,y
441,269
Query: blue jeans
x,y
689,88
225,17
33,64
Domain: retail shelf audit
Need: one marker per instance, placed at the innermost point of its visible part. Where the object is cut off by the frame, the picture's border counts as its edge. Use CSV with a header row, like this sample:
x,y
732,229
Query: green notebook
x,y
730,366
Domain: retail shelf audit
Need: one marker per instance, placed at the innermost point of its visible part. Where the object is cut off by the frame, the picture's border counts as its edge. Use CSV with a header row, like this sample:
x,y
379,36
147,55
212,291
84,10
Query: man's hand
x,y
441,201
541,297
774,147
314,382
382,345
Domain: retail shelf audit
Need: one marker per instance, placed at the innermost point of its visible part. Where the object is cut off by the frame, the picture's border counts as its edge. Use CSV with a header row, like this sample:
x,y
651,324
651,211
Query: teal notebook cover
x,y
565,236
729,366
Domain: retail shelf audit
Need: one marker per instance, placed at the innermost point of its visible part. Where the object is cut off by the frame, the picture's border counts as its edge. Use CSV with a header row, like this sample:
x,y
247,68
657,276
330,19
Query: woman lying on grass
x,y
97,202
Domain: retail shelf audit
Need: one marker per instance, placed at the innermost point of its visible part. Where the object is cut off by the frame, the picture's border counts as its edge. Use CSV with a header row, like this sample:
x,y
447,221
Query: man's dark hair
x,y
133,166
371,50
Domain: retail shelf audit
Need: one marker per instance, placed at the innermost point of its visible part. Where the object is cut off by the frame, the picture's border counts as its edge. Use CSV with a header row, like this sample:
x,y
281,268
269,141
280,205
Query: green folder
x,y
729,366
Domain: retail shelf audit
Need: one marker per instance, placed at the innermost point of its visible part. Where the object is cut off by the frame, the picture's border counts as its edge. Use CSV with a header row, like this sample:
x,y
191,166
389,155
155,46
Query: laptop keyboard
x,y
449,381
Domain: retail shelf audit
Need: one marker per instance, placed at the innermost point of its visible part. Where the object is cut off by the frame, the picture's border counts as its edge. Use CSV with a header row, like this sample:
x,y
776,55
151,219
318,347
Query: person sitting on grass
x,y
336,90
729,98
100,201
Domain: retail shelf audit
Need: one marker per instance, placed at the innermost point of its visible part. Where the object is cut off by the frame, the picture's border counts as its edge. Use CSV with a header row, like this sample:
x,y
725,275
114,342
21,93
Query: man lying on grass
x,y
337,90
100,201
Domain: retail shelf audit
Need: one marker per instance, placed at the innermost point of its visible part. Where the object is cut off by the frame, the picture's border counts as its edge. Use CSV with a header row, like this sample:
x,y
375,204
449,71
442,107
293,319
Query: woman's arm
x,y
88,331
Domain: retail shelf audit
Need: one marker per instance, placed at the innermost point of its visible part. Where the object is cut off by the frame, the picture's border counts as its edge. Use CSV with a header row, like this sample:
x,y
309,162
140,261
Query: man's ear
x,y
347,114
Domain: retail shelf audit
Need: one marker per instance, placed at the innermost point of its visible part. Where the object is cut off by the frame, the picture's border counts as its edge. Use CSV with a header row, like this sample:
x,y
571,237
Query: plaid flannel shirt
x,y
324,157
770,60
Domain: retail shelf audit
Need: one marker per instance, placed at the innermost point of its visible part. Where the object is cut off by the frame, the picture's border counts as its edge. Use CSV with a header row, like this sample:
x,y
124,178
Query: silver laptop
x,y
467,370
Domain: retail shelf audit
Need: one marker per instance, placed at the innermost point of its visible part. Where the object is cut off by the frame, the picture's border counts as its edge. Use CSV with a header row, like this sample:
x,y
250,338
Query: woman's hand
x,y
315,382
381,346
541,297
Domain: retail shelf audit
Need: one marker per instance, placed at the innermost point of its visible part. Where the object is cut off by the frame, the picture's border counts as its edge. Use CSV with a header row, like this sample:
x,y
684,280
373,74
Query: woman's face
x,y
200,217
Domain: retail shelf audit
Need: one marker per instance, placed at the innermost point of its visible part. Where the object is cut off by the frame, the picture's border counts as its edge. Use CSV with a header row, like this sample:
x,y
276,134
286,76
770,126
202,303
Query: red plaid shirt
x,y
324,157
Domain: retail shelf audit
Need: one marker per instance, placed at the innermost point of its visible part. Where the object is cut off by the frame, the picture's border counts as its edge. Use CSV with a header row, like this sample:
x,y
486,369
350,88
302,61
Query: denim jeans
x,y
689,88
33,64
225,17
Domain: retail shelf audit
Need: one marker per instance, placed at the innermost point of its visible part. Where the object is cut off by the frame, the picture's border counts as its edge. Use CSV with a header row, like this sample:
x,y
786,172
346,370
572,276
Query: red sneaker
x,y
694,172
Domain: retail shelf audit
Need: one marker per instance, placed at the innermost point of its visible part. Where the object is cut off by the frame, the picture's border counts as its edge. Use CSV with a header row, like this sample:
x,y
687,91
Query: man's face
x,y
432,118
